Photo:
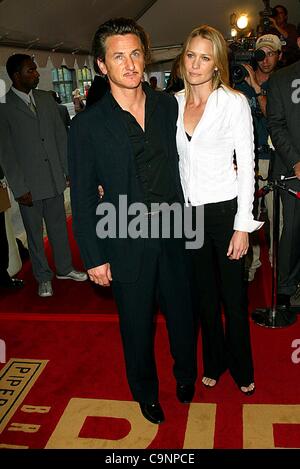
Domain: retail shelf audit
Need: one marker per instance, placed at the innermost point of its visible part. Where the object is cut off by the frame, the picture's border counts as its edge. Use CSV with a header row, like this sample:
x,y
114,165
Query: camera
x,y
265,15
242,52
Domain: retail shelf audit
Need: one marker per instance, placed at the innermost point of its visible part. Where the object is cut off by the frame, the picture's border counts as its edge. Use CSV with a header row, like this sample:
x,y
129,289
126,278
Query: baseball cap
x,y
269,40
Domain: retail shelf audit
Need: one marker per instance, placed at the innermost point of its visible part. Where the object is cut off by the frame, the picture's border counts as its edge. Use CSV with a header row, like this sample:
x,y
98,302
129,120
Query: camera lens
x,y
238,73
259,55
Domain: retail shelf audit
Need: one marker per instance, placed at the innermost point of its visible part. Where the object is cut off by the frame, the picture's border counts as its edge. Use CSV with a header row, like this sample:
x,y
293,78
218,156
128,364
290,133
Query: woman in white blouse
x,y
214,123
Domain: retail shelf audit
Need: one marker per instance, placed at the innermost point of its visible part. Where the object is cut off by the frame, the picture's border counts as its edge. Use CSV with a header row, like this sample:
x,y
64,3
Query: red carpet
x,y
65,370
69,297
85,362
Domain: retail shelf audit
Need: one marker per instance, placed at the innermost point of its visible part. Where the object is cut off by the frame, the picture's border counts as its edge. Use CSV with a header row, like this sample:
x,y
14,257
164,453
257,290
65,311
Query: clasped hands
x,y
101,275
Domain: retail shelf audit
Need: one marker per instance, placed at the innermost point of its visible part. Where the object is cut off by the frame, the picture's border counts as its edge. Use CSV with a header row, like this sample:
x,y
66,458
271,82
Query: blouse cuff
x,y
248,225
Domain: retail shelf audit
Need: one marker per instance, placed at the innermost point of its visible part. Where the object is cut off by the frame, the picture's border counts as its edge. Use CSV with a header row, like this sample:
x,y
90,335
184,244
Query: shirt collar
x,y
151,100
24,96
114,103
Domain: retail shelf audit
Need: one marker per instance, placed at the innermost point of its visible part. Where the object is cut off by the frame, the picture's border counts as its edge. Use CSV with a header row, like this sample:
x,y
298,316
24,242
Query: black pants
x,y
163,277
289,247
4,257
218,280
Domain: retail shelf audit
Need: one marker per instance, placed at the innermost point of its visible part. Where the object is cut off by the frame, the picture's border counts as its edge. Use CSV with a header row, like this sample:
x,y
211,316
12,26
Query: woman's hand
x,y
100,192
238,246
101,275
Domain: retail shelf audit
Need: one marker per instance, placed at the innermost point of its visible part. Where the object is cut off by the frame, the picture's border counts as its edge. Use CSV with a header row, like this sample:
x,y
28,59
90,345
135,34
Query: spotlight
x,y
242,21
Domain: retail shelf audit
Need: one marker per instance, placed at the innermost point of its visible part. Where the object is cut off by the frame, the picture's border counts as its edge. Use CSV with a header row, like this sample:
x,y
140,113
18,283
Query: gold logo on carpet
x,y
16,379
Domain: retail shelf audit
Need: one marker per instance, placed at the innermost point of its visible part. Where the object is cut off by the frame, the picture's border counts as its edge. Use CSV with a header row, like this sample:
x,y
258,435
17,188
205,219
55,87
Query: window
x,y
63,83
166,78
84,80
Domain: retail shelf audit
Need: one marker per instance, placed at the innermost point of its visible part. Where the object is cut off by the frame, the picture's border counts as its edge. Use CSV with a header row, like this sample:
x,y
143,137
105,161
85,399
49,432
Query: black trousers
x,y
218,281
289,247
163,279
4,255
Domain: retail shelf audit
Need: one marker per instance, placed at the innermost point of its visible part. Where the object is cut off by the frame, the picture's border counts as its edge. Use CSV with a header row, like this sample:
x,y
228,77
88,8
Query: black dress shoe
x,y
152,412
12,283
185,392
24,253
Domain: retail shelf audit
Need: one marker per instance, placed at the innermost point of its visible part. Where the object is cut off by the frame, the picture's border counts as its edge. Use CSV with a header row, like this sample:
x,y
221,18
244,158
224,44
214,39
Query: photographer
x,y
255,86
287,32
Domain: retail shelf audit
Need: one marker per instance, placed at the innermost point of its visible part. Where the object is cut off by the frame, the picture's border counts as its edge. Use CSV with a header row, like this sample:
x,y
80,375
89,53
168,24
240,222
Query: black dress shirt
x,y
151,158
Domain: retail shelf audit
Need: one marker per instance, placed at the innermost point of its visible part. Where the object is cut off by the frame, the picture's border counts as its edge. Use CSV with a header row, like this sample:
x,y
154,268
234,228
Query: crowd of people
x,y
201,144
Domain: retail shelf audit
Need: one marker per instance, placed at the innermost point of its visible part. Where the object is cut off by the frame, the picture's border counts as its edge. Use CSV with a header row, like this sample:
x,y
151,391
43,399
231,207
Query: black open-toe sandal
x,y
208,385
250,392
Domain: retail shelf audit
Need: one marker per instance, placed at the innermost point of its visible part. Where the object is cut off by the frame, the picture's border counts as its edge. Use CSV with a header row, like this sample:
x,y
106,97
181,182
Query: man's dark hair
x,y
113,27
281,6
15,63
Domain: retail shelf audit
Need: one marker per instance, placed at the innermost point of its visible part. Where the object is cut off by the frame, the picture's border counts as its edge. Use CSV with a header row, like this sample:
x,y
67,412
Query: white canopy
x,y
63,29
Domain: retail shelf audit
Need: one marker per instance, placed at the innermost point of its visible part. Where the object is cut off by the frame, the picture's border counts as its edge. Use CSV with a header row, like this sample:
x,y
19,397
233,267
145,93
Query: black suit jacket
x,y
100,153
283,114
97,90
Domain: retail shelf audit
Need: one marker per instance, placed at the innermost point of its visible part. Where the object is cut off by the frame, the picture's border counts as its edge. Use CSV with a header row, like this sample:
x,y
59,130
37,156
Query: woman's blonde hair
x,y
220,56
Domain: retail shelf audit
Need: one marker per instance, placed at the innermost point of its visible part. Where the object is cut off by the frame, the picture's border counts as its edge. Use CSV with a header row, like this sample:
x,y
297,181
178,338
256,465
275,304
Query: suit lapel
x,y
38,101
18,103
114,122
151,103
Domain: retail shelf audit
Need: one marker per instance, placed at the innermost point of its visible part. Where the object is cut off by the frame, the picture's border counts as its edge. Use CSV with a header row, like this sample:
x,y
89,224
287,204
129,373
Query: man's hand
x,y
274,25
101,275
251,79
238,245
25,199
273,22
297,170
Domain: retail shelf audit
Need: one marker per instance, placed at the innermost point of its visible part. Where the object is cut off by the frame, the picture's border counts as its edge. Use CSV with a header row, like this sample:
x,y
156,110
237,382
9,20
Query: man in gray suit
x,y
33,157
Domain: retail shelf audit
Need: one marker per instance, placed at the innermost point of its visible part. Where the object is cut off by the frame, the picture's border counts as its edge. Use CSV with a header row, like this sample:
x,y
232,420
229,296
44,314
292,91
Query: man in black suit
x,y
283,113
126,143
97,90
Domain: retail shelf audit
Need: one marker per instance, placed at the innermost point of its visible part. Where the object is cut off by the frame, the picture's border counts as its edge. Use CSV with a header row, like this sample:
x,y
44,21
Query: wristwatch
x,y
261,93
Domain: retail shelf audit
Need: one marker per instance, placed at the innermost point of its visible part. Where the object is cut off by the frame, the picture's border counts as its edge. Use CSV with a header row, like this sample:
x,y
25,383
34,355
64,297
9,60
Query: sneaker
x,y
249,275
251,271
74,275
45,289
